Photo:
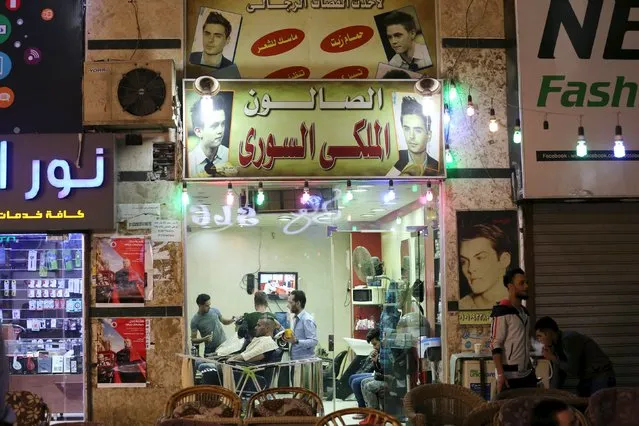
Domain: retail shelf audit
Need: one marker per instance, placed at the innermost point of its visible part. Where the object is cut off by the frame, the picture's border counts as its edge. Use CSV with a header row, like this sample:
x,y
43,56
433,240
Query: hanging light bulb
x,y
493,126
349,191
185,195
398,220
390,194
260,194
449,156
452,91
428,105
349,218
517,132
446,115
546,123
619,149
230,197
582,149
470,111
429,193
306,196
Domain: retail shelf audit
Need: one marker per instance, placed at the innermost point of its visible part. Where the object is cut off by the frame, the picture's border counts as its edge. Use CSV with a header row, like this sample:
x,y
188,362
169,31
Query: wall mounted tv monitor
x,y
277,285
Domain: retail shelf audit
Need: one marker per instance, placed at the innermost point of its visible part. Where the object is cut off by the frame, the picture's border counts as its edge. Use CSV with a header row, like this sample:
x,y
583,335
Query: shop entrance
x,y
362,253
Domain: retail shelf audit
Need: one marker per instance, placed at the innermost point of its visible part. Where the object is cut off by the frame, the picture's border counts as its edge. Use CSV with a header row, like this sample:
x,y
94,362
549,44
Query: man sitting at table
x,y
257,351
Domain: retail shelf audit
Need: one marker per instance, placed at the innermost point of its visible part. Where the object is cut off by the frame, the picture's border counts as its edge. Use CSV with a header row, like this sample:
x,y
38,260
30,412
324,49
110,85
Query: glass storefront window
x,y
42,280
364,253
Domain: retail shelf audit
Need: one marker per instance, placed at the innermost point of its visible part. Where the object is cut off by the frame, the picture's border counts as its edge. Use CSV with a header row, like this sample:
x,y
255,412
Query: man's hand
x,y
502,382
208,339
374,355
549,355
291,339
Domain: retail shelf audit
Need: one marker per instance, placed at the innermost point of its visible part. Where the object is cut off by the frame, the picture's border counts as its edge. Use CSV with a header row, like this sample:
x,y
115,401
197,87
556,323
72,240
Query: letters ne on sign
x,y
65,183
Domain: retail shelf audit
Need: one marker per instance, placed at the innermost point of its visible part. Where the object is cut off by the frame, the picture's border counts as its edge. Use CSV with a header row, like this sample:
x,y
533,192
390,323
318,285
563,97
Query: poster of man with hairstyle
x,y
487,244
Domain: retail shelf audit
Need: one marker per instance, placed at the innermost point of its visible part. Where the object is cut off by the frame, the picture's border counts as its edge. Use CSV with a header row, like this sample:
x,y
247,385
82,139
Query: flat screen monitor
x,y
277,285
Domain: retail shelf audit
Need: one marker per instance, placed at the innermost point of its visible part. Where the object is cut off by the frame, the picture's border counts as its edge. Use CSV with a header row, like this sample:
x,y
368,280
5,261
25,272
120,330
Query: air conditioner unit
x,y
130,95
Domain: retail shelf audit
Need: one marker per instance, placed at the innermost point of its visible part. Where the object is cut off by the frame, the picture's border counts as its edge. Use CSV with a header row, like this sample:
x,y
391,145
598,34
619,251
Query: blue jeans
x,y
586,387
355,383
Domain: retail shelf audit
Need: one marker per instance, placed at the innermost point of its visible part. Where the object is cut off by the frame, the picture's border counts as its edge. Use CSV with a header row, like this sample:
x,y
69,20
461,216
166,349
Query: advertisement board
x,y
578,66
57,182
335,128
303,39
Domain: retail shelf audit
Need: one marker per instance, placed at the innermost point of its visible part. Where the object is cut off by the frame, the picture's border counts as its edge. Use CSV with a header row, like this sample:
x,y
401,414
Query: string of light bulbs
x,y
581,148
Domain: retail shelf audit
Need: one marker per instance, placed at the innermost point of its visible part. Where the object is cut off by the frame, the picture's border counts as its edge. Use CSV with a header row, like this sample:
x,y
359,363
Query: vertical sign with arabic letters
x,y
301,39
335,128
57,182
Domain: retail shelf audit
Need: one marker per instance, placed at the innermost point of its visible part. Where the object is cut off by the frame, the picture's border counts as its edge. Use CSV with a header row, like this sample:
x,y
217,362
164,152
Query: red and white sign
x,y
13,5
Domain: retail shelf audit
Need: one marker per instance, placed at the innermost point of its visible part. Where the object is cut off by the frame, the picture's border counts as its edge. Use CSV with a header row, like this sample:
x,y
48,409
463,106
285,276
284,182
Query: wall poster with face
x,y
487,243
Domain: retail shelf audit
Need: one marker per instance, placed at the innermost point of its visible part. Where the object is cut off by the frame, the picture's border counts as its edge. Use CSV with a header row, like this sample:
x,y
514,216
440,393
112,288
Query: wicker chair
x,y
484,415
30,408
518,412
569,398
614,407
336,418
440,404
311,398
79,424
205,393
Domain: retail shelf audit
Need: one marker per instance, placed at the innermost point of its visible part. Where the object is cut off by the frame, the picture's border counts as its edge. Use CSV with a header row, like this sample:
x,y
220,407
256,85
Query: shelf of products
x,y
42,286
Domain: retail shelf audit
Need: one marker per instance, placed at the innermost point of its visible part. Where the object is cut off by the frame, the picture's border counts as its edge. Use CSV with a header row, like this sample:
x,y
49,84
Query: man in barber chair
x,y
262,349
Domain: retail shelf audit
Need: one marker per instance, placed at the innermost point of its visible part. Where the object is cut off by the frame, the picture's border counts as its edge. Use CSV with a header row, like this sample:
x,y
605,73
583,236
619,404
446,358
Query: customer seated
x,y
258,351
552,412
371,364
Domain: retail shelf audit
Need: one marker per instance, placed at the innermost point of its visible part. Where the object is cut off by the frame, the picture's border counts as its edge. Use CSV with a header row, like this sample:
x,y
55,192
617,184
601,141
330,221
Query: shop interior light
x,y
185,195
517,132
398,220
446,115
582,148
493,126
259,199
230,196
429,193
619,149
390,194
349,191
306,196
470,110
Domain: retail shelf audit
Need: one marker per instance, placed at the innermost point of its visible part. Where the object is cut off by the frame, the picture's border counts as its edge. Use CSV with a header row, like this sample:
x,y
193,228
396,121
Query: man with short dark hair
x,y
208,119
355,381
304,337
552,412
417,129
261,309
484,255
509,339
576,355
208,322
216,33
401,32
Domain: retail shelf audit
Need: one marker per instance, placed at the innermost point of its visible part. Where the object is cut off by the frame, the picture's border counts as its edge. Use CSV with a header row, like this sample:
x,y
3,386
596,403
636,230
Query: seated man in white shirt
x,y
261,345
401,31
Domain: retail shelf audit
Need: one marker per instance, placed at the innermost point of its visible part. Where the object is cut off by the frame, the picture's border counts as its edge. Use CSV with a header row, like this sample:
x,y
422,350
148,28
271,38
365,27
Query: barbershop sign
x,y
58,182
579,58
325,128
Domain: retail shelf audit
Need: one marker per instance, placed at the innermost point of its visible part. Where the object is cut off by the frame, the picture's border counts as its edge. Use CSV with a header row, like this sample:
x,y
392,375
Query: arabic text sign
x,y
312,128
300,39
42,188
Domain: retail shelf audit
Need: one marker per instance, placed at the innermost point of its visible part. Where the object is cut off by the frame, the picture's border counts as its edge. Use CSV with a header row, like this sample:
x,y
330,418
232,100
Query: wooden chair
x,y
337,418
30,408
309,397
518,412
568,397
484,415
443,404
204,394
614,407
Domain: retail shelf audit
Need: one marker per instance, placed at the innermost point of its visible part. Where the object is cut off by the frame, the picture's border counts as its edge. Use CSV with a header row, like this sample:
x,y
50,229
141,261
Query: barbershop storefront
x,y
55,190
329,187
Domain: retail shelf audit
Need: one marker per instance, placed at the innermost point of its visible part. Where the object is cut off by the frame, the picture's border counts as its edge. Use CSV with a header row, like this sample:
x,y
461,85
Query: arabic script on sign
x,y
295,5
58,174
60,214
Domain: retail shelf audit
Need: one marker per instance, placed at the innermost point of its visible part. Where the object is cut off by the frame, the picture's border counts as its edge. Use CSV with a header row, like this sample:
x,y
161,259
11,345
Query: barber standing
x,y
509,339
304,337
